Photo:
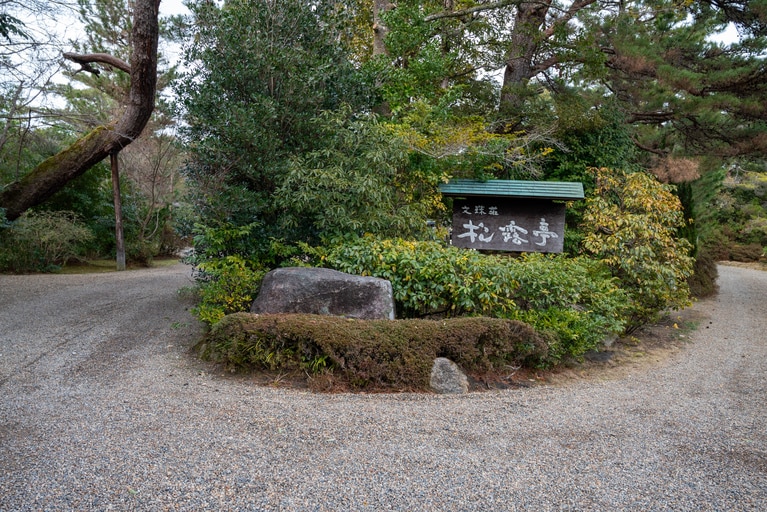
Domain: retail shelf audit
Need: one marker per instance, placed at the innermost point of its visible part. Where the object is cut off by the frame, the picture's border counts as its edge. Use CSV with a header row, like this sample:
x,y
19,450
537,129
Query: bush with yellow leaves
x,y
631,223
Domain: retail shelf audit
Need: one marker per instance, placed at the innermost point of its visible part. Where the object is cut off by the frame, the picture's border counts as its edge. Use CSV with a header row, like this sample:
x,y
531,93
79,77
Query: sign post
x,y
513,216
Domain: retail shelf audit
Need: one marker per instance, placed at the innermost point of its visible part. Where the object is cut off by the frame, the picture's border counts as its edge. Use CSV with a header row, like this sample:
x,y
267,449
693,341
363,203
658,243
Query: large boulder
x,y
322,291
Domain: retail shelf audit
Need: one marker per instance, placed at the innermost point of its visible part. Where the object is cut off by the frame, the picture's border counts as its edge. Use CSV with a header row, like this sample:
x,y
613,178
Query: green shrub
x,y
569,333
632,223
737,229
717,243
215,243
429,278
546,281
575,300
755,231
382,353
228,280
42,241
357,181
229,287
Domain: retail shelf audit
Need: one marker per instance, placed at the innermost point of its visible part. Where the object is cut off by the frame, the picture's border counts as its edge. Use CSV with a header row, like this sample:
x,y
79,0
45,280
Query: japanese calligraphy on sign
x,y
504,224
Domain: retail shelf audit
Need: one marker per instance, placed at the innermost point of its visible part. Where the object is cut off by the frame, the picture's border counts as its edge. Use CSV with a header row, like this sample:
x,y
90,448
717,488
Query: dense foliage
x,y
230,288
357,182
42,241
429,278
261,76
740,213
574,301
631,223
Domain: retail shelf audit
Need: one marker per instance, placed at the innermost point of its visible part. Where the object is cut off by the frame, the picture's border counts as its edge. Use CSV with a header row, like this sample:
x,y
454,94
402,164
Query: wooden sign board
x,y
492,223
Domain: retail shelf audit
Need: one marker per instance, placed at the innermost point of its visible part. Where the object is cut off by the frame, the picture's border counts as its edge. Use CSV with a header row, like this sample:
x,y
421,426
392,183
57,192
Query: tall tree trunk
x,y
449,6
380,30
379,27
119,239
55,172
525,38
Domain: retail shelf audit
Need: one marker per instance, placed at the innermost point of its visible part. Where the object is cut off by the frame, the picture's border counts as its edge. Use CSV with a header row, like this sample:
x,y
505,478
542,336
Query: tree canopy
x,y
509,66
355,104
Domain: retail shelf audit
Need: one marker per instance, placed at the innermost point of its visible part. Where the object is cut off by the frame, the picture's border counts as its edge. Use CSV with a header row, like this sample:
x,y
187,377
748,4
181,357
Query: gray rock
x,y
322,291
447,378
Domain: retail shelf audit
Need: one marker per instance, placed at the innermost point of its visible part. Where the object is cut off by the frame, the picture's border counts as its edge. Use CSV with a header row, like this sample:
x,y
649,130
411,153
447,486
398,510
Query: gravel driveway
x,y
102,408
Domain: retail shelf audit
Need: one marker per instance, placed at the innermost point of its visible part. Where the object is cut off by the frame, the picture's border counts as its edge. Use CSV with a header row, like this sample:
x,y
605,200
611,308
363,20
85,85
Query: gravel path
x,y
102,408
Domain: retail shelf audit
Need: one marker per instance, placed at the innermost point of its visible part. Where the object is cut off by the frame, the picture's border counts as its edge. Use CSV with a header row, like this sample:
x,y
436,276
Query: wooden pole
x,y
119,240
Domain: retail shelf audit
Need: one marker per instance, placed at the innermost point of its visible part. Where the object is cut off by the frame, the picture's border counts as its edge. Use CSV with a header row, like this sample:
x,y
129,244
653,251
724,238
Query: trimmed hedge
x,y
746,252
396,354
703,280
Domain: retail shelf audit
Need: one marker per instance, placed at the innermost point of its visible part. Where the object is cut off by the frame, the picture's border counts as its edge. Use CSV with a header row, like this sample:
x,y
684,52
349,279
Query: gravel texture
x,y
103,408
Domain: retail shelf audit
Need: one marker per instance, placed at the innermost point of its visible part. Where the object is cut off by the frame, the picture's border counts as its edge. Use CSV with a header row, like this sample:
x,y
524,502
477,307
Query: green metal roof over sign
x,y
563,190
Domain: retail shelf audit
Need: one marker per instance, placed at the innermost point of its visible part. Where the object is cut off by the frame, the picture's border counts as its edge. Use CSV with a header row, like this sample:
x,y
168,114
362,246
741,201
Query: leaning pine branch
x,y
85,61
470,10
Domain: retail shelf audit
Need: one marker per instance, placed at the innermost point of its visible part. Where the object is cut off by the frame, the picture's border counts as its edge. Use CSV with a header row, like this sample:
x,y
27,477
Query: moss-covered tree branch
x,y
52,174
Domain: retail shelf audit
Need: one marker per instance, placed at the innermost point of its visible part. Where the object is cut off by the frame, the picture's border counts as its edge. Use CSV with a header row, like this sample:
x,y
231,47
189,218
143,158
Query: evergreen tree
x,y
684,93
260,73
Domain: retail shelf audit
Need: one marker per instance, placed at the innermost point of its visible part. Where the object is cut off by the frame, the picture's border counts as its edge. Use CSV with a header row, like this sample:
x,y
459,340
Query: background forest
x,y
301,132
